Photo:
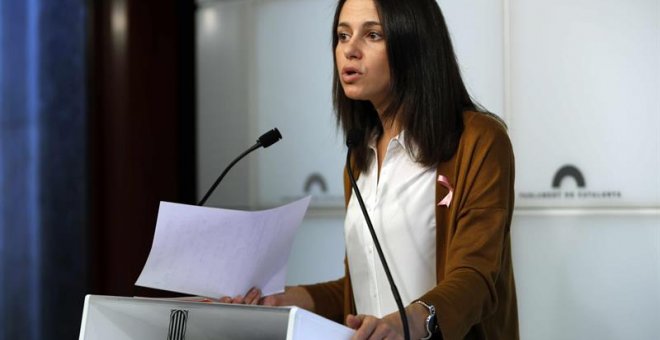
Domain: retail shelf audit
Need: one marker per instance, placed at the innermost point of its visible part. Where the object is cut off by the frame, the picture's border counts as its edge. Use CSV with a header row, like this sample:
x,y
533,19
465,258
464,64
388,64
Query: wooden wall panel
x,y
141,119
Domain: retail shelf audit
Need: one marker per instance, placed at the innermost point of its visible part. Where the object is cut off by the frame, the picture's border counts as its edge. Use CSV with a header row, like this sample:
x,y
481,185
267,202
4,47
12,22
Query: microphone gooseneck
x,y
267,139
352,139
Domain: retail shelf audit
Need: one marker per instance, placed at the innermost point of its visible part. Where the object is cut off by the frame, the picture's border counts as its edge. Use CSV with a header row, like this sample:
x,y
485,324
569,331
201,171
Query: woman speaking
x,y
436,173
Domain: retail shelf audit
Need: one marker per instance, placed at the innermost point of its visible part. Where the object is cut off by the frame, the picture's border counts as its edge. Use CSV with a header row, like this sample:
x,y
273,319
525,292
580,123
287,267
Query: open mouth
x,y
350,74
350,71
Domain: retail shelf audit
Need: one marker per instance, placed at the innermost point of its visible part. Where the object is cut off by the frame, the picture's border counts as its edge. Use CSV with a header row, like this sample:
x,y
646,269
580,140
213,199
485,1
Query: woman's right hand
x,y
292,296
252,297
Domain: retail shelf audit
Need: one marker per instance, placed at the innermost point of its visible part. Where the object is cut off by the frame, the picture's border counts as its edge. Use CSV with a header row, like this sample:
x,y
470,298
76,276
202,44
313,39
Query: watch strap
x,y
431,320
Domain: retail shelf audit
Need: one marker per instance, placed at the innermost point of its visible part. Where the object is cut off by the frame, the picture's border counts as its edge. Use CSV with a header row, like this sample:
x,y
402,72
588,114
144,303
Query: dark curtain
x,y
43,177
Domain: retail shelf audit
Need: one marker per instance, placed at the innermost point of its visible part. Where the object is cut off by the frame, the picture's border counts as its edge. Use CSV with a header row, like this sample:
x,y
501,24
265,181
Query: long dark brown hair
x,y
428,95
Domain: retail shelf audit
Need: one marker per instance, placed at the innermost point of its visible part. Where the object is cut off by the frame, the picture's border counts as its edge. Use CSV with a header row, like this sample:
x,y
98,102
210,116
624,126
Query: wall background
x,y
578,83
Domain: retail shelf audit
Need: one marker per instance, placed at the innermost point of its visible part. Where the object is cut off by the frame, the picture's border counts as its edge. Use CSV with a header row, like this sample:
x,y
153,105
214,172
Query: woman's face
x,y
361,53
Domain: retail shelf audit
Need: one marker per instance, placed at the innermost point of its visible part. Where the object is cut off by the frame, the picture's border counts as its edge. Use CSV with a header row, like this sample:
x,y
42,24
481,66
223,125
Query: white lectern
x,y
110,317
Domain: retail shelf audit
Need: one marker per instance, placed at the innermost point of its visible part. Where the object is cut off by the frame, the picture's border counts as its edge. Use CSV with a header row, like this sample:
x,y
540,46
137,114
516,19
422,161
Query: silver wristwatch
x,y
431,320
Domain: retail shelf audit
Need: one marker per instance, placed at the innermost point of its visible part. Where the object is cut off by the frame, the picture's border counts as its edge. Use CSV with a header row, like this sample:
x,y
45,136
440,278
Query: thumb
x,y
270,300
354,321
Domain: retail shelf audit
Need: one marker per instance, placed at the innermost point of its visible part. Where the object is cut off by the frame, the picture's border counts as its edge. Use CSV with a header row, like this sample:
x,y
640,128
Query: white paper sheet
x,y
217,252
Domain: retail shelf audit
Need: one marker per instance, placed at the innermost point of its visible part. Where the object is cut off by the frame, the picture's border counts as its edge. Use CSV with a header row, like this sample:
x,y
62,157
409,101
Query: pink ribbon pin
x,y
445,183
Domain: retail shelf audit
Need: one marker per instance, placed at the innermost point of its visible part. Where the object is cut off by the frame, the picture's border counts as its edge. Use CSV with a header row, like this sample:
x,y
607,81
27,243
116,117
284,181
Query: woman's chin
x,y
355,95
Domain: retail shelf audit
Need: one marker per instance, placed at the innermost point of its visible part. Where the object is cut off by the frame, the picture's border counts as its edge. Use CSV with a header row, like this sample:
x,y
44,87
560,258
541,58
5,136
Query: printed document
x,y
215,252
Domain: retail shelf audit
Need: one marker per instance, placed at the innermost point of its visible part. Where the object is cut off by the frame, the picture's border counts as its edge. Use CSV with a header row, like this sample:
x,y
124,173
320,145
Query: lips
x,y
350,74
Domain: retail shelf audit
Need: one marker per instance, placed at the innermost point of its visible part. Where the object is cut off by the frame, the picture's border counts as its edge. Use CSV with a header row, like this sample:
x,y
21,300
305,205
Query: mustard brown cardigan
x,y
475,296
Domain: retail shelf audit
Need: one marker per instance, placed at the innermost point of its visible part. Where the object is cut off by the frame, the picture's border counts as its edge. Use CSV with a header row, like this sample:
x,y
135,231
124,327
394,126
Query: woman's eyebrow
x,y
371,24
367,24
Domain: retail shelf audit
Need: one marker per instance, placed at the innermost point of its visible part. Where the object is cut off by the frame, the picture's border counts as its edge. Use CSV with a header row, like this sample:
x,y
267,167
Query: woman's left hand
x,y
390,326
371,327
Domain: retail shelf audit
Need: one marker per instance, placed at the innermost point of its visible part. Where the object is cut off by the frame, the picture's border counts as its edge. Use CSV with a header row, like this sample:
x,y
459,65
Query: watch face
x,y
431,321
432,324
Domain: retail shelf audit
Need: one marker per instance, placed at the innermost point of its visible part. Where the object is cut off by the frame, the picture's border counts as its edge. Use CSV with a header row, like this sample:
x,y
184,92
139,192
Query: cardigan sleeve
x,y
476,239
331,299
328,299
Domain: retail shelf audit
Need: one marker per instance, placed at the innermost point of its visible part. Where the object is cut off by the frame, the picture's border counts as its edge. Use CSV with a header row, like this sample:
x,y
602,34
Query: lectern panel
x,y
133,318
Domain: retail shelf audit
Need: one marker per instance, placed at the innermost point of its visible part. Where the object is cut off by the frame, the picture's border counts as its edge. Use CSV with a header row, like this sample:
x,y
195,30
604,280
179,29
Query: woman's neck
x,y
391,128
391,125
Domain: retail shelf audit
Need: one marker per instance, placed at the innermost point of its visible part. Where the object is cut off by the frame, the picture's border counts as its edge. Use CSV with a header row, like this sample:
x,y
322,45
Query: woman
x,y
436,175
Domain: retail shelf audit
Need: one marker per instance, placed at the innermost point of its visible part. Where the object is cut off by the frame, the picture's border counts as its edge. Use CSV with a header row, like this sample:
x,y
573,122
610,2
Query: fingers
x,y
270,300
354,321
251,298
369,327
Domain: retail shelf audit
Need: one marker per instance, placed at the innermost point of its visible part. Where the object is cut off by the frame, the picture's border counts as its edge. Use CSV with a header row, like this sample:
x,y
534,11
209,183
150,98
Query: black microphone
x,y
353,138
267,139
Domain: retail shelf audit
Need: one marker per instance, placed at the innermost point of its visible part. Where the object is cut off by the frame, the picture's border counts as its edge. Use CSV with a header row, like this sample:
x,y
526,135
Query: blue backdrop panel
x,y
42,168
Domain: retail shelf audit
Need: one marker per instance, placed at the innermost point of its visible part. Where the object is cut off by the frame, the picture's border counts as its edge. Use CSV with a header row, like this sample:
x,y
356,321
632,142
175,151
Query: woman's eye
x,y
343,36
375,35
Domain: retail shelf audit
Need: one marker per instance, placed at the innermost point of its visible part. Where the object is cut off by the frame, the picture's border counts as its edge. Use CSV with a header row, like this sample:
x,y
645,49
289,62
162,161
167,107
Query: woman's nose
x,y
352,50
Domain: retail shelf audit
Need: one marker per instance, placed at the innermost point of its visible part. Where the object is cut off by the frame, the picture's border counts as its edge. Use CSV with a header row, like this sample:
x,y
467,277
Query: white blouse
x,y
401,205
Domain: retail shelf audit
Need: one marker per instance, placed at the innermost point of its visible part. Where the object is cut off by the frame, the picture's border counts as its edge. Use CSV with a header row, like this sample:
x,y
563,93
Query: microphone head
x,y
354,137
269,138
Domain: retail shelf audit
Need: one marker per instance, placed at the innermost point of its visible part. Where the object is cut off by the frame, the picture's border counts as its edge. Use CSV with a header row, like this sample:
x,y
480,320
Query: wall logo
x,y
558,192
178,322
568,171
315,179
